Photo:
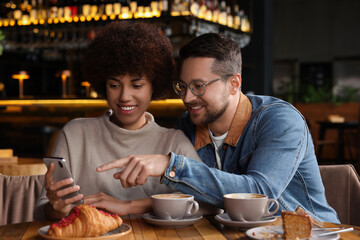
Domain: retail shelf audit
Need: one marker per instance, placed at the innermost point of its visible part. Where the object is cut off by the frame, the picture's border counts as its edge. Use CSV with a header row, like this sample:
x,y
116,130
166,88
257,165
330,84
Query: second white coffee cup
x,y
248,206
174,206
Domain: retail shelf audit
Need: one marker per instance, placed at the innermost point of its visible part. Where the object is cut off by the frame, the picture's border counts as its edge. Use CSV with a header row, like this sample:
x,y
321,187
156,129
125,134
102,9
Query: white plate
x,y
175,223
117,233
274,232
225,219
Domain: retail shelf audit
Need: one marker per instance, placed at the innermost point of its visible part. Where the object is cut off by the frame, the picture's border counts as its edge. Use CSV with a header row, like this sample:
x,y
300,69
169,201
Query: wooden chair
x,y
342,190
19,194
358,142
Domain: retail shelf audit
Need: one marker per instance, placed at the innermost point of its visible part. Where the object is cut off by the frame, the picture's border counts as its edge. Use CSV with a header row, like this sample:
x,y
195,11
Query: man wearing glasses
x,y
248,143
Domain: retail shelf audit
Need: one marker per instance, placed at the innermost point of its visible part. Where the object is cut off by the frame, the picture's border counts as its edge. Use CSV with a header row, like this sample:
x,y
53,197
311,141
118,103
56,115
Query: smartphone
x,y
62,171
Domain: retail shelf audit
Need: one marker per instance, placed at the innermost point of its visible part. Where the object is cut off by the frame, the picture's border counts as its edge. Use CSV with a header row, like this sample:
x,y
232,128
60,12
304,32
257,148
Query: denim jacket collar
x,y
241,118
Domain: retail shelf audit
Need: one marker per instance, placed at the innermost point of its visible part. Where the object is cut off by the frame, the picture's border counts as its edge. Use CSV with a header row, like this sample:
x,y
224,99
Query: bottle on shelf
x,y
33,12
25,7
216,11
155,8
164,7
52,11
125,10
245,23
75,10
202,9
223,15
140,9
237,18
103,3
61,11
101,10
133,7
185,9
229,17
17,13
147,9
108,9
209,10
117,8
41,12
84,10
94,10
176,8
194,8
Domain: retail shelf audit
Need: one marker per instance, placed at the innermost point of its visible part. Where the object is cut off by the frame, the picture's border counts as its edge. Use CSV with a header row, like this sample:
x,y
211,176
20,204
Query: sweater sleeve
x,y
183,146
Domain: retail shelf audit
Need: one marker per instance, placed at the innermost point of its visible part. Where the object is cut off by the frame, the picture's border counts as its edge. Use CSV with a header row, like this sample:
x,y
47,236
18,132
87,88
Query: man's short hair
x,y
211,45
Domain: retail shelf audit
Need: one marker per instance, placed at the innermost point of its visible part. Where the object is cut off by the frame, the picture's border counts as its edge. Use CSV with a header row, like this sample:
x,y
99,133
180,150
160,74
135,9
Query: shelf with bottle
x,y
70,36
71,24
43,12
212,11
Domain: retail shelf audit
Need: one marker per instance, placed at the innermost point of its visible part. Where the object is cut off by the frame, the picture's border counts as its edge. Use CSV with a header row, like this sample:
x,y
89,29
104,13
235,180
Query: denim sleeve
x,y
189,176
279,140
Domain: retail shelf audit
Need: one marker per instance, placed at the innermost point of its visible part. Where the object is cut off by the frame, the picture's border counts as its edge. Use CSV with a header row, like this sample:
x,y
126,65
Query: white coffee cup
x,y
174,206
248,206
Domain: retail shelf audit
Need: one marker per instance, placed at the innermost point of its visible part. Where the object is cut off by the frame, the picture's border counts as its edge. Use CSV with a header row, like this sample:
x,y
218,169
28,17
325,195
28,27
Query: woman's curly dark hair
x,y
136,49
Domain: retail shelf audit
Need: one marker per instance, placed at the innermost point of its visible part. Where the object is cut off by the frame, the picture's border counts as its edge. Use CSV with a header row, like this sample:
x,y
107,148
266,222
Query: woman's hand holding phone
x,y
61,194
56,192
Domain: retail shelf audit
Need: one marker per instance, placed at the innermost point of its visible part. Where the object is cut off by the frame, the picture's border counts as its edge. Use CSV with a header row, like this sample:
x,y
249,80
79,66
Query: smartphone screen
x,y
61,171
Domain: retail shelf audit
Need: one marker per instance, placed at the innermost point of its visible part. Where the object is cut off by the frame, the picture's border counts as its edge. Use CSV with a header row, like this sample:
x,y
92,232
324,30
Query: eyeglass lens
x,y
197,87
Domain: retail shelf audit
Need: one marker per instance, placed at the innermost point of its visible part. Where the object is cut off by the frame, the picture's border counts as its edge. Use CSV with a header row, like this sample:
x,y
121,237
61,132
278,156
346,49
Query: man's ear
x,y
235,83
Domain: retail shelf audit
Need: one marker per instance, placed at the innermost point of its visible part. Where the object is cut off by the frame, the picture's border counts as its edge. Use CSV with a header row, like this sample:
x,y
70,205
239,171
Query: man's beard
x,y
212,115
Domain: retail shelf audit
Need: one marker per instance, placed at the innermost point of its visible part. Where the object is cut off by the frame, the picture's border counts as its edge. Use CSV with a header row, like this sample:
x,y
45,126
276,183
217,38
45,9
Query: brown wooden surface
x,y
207,228
23,167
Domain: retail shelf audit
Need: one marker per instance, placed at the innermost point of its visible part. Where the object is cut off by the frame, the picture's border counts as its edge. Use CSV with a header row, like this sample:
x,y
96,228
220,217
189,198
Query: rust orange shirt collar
x,y
241,117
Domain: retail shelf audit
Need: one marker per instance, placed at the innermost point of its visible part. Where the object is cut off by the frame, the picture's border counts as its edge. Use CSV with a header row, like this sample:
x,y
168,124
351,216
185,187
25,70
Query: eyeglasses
x,y
197,87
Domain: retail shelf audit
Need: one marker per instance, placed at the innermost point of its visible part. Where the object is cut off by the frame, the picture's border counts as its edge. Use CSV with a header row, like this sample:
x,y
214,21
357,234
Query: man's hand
x,y
137,168
54,193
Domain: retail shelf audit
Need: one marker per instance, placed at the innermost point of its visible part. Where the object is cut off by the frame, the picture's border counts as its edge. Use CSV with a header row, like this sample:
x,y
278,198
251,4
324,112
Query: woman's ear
x,y
235,83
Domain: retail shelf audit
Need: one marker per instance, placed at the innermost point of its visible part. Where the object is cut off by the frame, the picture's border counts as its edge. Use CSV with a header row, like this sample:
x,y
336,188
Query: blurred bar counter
x,y
30,126
60,111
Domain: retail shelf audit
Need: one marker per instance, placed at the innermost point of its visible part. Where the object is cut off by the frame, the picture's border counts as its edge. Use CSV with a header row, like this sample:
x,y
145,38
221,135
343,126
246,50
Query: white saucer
x,y
274,232
225,219
175,223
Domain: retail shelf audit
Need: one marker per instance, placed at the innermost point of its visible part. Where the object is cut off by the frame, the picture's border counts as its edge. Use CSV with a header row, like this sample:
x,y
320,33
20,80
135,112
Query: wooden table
x,y
206,228
340,127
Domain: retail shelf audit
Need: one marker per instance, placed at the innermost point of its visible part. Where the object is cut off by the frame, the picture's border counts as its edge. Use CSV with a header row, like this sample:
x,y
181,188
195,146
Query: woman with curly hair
x,y
129,64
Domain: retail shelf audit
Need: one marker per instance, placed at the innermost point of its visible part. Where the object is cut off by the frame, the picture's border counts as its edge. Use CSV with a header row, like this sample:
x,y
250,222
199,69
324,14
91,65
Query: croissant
x,y
85,221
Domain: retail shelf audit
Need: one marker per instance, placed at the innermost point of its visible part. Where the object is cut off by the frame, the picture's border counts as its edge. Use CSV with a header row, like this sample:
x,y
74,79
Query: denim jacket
x,y
273,155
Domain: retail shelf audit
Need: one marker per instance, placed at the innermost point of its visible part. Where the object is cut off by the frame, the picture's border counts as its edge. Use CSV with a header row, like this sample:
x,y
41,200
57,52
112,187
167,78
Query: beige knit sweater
x,y
87,143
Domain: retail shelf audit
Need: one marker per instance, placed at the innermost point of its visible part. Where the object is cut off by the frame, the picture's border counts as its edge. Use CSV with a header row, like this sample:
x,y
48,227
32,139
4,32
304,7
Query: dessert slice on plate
x,y
296,225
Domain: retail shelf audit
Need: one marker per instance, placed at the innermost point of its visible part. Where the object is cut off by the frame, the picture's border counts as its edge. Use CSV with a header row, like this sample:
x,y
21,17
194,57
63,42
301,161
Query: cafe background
x,y
306,52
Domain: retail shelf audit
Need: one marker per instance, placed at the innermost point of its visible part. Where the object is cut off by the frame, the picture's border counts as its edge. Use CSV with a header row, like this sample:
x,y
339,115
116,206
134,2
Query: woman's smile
x,y
127,109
